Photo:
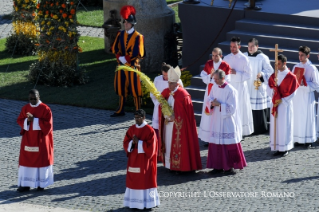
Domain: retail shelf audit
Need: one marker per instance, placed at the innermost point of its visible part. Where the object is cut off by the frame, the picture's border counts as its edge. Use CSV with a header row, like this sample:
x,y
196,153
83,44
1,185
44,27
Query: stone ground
x,y
90,168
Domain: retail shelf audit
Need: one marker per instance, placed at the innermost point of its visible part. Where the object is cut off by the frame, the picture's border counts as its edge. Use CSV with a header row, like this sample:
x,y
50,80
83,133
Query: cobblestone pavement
x,y
6,26
90,170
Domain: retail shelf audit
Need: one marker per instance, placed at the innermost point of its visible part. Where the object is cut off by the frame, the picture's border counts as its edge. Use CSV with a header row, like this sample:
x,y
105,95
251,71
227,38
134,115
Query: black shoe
x,y
277,153
308,145
206,144
216,171
40,189
23,189
284,154
230,172
117,114
298,144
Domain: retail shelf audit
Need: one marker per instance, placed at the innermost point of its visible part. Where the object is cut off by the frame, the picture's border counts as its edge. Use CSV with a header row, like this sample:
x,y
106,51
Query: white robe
x,y
168,132
225,121
204,127
160,85
35,177
285,120
304,106
241,64
259,99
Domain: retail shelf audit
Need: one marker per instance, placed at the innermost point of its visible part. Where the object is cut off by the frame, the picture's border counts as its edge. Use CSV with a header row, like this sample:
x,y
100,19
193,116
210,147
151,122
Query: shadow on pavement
x,y
297,180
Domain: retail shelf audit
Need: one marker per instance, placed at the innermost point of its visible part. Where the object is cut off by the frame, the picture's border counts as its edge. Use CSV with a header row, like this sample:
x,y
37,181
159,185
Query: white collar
x,y
130,31
36,104
219,62
236,55
307,63
142,125
284,71
174,90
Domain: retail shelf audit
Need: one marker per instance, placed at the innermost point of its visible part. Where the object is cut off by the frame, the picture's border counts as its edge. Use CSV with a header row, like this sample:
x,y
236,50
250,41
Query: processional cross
x,y
276,50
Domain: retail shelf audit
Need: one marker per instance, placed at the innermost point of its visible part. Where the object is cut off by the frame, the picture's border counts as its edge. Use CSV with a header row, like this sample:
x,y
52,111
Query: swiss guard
x,y
128,48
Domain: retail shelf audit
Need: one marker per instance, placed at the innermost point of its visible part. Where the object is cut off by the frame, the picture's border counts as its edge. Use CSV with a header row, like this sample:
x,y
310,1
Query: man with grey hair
x,y
224,152
206,74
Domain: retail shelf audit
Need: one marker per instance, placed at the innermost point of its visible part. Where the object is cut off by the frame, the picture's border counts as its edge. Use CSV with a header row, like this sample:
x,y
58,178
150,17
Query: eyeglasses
x,y
32,98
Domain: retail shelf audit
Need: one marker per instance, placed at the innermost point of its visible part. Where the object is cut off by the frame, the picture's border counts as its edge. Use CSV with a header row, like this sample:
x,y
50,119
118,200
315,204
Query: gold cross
x,y
276,50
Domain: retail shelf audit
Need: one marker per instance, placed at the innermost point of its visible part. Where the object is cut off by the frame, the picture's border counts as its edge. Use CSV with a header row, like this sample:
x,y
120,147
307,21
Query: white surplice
x,y
160,85
204,127
140,199
168,131
241,64
259,99
224,120
304,106
35,177
285,120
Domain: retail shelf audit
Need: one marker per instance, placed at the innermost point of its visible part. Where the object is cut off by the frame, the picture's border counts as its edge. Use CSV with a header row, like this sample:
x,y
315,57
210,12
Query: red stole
x,y
288,85
208,69
185,154
43,139
141,167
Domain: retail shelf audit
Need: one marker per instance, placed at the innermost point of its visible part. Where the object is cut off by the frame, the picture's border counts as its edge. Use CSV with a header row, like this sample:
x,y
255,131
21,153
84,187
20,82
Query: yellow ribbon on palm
x,y
166,109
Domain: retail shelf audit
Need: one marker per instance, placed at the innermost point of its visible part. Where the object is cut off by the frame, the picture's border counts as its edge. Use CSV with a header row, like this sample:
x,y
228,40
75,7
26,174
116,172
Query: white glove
x,y
122,59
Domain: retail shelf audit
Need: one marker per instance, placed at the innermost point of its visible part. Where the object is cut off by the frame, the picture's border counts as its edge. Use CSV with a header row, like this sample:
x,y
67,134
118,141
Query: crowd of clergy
x,y
243,95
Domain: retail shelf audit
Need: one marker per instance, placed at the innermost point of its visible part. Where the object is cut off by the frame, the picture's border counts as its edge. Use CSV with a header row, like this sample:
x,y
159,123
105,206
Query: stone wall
x,y
154,21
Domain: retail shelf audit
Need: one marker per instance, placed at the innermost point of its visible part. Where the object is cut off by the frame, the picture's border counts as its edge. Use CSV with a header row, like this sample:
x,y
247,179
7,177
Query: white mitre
x,y
174,74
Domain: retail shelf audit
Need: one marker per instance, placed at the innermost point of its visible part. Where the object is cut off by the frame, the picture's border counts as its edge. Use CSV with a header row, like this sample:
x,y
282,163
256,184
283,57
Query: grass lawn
x,y
172,1
94,16
98,93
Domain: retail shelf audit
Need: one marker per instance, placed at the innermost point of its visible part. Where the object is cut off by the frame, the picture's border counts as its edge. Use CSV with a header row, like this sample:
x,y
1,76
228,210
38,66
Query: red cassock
x,y
185,154
43,139
143,164
208,69
288,85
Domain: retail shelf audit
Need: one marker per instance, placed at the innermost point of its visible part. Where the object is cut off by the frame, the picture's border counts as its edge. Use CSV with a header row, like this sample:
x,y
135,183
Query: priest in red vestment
x,y
282,93
206,75
140,145
36,151
177,134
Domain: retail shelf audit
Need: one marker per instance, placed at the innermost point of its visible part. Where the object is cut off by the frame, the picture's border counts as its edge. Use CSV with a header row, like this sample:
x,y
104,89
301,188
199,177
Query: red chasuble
x,y
288,85
208,69
43,139
185,154
141,167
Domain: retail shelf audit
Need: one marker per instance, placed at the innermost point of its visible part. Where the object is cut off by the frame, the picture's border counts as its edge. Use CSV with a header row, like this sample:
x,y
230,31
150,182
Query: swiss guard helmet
x,y
128,14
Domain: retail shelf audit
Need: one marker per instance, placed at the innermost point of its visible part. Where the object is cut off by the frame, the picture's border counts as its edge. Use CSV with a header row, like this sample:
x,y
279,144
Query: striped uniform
x,y
125,82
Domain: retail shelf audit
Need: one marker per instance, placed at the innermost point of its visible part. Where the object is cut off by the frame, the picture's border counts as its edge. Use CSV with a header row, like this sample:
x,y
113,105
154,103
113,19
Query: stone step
x,y
290,53
283,18
281,28
271,39
198,116
196,92
198,103
197,81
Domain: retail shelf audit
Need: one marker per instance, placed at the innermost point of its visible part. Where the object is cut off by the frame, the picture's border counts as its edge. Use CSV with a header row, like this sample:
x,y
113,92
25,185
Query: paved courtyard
x,y
90,170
